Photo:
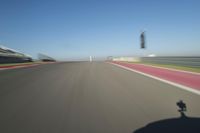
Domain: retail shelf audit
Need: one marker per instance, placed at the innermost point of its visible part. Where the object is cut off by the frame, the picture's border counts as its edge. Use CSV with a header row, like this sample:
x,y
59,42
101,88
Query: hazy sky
x,y
79,28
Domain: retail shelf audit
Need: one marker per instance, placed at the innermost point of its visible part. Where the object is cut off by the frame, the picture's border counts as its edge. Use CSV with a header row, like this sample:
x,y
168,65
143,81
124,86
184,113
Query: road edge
x,y
159,79
173,69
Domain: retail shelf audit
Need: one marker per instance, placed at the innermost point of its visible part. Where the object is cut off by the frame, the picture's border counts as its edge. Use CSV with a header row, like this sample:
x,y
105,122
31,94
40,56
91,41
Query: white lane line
x,y
162,80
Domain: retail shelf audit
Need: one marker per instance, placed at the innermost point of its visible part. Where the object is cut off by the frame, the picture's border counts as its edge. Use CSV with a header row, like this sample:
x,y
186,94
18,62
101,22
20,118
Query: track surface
x,y
83,97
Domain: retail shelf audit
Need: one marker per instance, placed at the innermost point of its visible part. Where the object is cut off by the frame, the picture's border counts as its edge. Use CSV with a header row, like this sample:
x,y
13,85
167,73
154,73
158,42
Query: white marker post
x,y
90,58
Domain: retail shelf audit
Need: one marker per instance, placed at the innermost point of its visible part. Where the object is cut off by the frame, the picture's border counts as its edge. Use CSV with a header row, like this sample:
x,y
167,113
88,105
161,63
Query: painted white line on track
x,y
162,80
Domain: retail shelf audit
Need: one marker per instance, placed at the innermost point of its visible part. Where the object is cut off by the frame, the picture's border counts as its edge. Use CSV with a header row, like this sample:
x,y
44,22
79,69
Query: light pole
x,y
142,39
90,58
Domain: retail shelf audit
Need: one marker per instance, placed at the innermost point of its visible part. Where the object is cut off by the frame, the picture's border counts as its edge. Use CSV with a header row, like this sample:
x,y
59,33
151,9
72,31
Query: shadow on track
x,y
183,124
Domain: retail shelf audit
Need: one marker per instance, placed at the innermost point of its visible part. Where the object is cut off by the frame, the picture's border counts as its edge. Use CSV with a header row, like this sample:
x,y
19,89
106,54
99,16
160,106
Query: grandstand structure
x,y
45,58
8,55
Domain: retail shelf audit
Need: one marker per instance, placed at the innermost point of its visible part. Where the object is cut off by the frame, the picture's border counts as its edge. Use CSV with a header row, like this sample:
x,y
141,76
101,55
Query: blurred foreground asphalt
x,y
84,97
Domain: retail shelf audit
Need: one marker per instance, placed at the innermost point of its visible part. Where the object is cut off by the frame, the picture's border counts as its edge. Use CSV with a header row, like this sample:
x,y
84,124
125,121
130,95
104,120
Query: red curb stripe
x,y
17,66
13,66
183,78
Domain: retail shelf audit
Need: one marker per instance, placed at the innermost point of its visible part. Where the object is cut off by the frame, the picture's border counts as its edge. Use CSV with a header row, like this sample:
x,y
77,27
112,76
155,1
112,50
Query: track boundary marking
x,y
173,69
16,67
160,79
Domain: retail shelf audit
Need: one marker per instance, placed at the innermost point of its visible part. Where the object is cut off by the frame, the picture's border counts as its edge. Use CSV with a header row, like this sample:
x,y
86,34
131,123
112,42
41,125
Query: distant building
x,y
129,59
8,55
45,58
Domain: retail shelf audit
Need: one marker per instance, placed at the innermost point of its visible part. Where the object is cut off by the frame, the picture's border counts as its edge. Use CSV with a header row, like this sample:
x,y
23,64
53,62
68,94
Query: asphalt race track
x,y
84,97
